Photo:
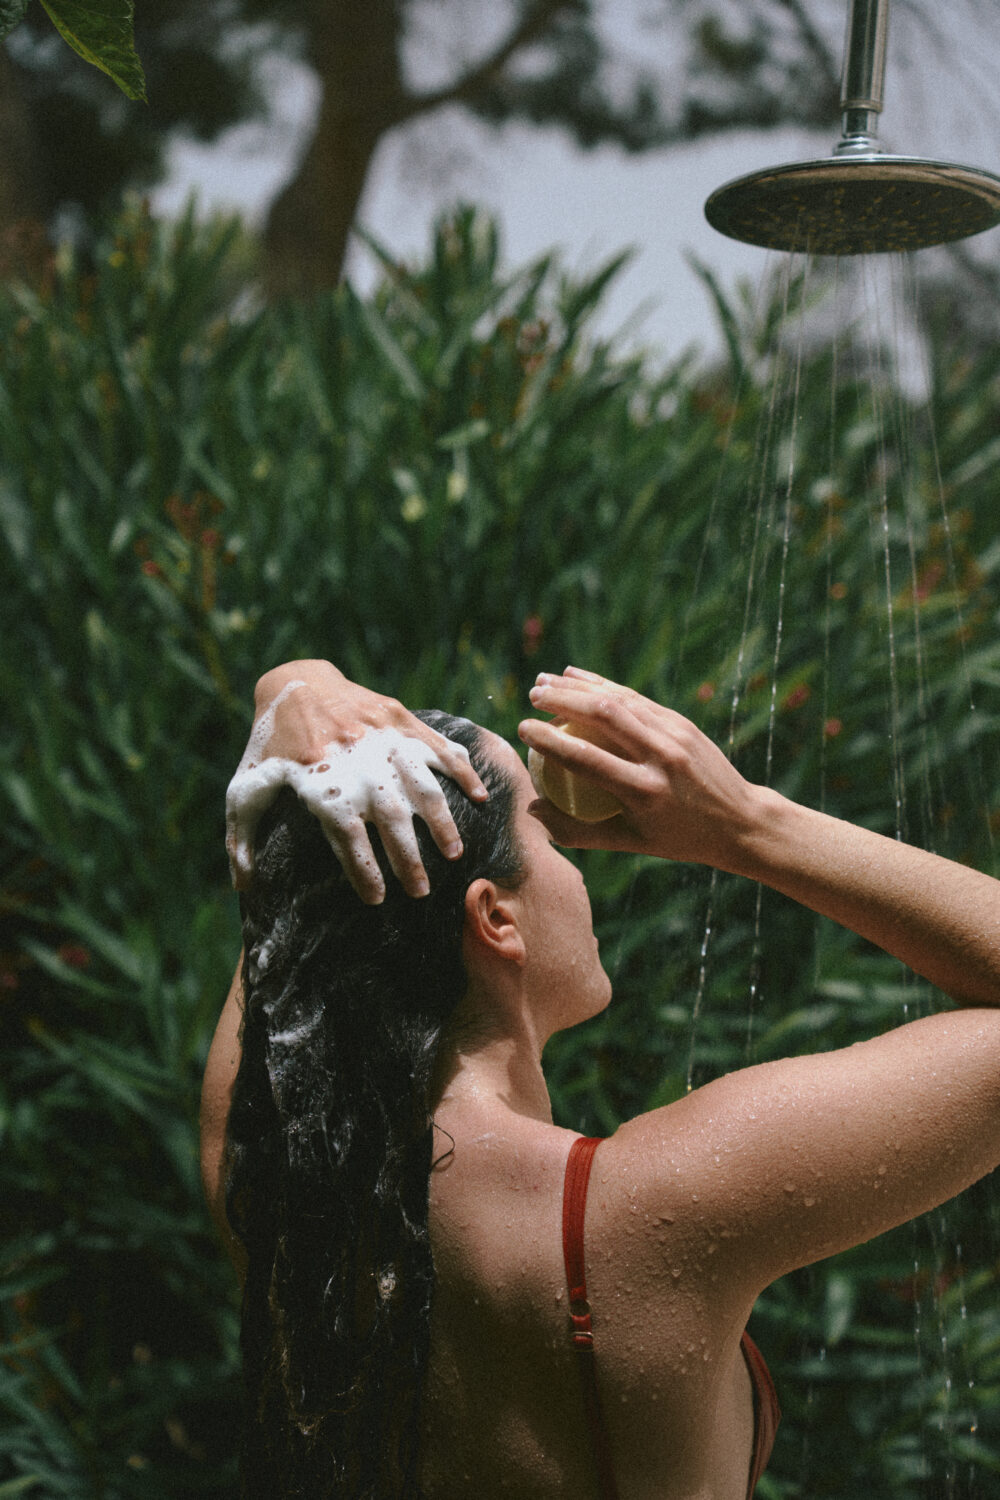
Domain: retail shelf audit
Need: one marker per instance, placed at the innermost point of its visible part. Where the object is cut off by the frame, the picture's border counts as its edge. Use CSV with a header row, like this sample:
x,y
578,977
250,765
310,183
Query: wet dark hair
x,y
330,1142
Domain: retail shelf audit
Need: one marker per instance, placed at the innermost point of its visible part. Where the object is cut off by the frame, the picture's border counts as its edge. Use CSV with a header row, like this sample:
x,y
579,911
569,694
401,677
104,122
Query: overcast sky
x,y
547,193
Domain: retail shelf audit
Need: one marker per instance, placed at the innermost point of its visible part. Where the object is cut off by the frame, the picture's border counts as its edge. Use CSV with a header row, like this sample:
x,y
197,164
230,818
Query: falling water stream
x,y
891,350
878,345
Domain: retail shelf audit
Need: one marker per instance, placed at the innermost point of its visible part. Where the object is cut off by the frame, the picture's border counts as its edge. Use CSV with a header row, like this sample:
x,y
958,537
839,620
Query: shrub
x,y
444,487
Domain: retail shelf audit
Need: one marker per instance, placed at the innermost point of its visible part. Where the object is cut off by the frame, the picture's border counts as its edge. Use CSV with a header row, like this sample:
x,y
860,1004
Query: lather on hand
x,y
354,757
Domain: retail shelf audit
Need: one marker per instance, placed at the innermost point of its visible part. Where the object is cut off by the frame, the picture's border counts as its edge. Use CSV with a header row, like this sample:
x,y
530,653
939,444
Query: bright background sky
x,y
547,193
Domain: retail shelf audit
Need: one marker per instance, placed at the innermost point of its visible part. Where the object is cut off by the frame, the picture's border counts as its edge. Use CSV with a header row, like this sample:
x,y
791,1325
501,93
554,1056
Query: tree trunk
x,y
305,242
354,49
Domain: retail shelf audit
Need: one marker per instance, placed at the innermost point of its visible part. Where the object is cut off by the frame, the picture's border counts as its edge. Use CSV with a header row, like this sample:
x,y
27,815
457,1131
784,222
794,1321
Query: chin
x,y
602,1000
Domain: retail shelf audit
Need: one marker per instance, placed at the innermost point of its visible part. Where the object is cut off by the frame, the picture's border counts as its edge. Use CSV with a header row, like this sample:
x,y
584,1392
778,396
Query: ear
x,y
491,922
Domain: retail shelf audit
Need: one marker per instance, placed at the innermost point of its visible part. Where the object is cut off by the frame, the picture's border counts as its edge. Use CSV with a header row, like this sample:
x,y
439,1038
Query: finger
x,y
585,681
606,714
583,675
606,769
239,847
350,843
572,834
453,759
395,826
248,795
454,762
423,792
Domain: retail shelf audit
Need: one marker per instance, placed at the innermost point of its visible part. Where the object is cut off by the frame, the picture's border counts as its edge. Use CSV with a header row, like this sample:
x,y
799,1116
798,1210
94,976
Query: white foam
x,y
384,777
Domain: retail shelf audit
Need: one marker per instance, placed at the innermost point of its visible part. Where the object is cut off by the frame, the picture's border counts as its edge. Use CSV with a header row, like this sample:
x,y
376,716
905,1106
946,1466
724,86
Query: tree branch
x,y
533,24
814,41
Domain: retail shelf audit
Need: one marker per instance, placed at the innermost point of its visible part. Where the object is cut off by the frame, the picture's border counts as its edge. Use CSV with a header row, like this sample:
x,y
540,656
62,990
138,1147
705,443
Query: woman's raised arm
x,y
684,800
778,1165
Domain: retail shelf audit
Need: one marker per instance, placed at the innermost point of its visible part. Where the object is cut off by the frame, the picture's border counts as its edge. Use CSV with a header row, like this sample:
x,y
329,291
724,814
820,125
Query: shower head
x,y
856,205
861,200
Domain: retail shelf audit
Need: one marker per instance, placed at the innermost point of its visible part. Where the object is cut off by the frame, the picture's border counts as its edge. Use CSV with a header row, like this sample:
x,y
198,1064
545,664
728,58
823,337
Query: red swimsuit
x,y
765,1400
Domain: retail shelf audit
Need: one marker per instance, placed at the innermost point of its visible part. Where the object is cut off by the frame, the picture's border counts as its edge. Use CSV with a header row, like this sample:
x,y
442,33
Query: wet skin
x,y
696,1207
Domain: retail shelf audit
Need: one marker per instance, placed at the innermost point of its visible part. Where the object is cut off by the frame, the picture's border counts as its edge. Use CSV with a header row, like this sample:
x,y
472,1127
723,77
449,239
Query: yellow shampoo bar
x,y
571,793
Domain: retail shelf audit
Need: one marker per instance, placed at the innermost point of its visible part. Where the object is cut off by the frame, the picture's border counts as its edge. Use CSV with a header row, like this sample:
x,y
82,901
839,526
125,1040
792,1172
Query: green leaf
x,y
102,32
11,15
383,338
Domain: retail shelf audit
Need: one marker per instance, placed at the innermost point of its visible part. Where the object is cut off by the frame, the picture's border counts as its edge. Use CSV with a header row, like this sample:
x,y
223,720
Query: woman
x,y
691,1210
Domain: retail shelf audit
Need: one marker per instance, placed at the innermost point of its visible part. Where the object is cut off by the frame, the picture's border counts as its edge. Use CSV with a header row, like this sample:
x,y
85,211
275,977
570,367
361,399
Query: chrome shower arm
x,y
863,80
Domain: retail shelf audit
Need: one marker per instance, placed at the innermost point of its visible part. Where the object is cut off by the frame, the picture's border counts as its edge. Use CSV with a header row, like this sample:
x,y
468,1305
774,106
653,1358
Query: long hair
x,y
330,1143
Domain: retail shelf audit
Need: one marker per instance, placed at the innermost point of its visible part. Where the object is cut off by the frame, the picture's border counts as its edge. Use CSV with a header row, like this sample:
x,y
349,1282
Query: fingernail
x,y
537,692
454,851
544,677
421,887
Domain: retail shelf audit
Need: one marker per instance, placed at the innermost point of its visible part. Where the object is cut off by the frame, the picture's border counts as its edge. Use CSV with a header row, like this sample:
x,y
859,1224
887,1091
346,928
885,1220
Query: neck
x,y
500,1074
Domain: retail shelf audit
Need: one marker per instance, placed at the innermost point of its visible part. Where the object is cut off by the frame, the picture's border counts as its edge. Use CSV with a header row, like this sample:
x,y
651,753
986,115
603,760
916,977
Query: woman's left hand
x,y
681,797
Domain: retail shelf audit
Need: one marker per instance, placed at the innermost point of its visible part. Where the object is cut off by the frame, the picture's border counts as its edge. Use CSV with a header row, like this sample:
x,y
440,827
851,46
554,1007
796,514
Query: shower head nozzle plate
x,y
859,205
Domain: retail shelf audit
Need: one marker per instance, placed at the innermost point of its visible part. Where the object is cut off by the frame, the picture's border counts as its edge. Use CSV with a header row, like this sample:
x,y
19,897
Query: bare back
x,y
503,1406
693,1210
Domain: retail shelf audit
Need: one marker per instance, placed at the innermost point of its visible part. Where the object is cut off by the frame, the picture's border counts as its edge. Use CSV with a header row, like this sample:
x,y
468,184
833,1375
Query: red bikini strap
x,y
578,1165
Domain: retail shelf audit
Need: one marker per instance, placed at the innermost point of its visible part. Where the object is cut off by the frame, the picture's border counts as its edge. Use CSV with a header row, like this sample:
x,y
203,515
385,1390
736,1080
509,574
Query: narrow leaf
x,y
384,340
102,32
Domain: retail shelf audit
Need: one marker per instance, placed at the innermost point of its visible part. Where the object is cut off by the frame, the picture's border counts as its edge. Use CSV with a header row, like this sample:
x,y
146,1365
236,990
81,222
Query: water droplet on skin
x,y
695,1197
809,1202
675,1272
789,1187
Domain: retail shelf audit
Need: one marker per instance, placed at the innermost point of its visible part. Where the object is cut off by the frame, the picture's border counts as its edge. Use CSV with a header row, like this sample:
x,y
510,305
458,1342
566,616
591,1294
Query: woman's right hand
x,y
354,757
682,798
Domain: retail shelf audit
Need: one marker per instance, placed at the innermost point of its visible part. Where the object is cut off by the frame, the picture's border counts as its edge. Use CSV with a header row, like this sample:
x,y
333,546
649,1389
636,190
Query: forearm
x,y
940,918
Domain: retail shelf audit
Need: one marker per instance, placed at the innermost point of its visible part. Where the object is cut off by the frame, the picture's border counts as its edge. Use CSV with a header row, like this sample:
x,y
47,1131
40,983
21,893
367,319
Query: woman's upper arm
x,y
782,1164
216,1095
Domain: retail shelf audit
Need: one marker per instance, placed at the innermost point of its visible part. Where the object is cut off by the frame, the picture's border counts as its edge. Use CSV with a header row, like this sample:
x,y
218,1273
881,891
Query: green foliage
x,y
101,33
444,487
11,14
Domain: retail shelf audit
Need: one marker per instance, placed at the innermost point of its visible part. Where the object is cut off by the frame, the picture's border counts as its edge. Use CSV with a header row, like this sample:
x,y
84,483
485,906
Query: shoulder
x,y
784,1163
